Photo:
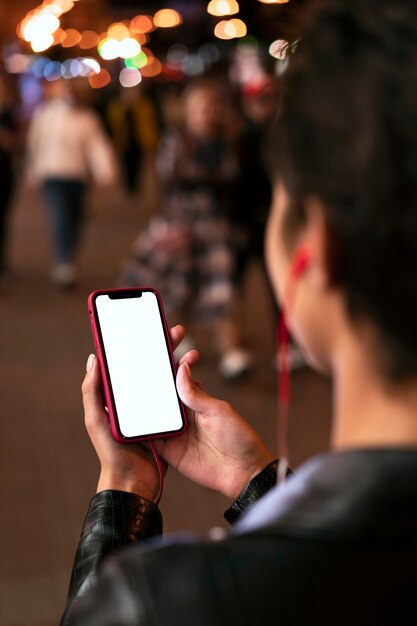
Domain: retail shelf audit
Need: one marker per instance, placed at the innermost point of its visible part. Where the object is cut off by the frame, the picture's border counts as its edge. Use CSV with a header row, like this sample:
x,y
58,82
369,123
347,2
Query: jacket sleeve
x,y
114,519
252,492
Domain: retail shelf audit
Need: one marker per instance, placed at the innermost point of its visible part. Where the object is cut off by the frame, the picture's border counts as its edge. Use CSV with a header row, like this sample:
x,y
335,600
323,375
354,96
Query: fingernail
x,y
90,363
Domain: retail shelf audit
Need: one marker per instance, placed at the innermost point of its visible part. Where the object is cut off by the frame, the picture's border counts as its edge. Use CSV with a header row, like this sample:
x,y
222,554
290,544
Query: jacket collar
x,y
356,494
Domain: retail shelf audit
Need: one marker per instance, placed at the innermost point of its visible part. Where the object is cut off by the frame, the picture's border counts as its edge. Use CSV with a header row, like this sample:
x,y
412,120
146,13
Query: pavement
x,y
48,468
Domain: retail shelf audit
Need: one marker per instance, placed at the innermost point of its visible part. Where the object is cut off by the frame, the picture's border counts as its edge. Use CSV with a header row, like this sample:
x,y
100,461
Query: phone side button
x,y
94,335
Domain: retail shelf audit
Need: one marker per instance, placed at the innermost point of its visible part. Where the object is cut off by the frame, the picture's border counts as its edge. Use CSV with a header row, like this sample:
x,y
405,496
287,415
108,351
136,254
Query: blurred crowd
x,y
206,144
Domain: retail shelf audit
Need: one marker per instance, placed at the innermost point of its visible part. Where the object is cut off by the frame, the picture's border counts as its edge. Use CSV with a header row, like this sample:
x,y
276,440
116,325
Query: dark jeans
x,y
6,188
65,204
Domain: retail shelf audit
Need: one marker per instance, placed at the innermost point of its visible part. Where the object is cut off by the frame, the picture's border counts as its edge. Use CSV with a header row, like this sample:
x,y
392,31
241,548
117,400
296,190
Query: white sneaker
x,y
296,359
235,363
185,346
64,274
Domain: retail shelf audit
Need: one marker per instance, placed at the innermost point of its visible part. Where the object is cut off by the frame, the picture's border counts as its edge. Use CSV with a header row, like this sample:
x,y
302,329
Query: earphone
x,y
300,262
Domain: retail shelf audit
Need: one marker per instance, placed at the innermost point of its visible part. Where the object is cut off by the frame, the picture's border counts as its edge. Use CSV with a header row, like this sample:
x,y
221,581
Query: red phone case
x,y
108,393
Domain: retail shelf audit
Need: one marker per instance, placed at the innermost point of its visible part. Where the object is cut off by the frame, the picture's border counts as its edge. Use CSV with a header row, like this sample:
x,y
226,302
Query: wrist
x,y
245,475
113,482
265,480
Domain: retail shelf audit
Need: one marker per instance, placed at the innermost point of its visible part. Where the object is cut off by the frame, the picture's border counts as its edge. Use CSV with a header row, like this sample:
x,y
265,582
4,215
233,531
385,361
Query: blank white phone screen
x,y
140,371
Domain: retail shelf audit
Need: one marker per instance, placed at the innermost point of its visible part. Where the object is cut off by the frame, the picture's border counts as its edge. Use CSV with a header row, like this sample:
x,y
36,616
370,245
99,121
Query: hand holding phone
x,y
130,467
136,364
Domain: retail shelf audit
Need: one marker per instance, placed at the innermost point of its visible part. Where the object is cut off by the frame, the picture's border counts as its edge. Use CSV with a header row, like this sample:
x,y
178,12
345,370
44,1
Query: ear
x,y
315,240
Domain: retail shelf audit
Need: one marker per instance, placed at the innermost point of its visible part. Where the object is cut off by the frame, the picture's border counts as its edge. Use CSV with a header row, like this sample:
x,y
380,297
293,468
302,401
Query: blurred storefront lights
x,y
219,8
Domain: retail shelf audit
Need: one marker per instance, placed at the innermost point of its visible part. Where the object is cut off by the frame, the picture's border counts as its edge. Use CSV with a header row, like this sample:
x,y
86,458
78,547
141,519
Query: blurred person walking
x,y
8,143
187,251
134,128
67,146
253,187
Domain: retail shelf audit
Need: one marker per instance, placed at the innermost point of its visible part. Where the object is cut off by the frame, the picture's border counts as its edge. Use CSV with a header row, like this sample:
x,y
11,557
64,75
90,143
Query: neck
x,y
368,412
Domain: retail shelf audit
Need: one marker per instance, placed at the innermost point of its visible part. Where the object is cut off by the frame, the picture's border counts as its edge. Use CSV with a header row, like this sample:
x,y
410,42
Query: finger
x,y
192,358
177,334
193,395
92,396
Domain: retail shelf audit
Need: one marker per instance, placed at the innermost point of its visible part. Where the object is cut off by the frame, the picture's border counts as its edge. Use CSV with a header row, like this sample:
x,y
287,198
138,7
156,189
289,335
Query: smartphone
x,y
136,362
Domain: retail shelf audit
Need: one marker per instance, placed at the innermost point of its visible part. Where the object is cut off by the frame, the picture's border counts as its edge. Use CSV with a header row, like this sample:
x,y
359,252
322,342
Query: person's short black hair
x,y
346,133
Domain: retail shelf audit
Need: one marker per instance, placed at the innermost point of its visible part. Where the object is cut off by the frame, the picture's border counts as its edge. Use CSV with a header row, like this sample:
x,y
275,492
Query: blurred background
x,y
132,150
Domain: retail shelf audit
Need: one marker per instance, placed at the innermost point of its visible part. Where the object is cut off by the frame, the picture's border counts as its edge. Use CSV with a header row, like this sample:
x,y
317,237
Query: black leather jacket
x,y
335,545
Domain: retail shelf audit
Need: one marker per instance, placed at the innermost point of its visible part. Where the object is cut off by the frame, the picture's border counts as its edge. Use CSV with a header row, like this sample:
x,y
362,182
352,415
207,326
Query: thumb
x,y
192,394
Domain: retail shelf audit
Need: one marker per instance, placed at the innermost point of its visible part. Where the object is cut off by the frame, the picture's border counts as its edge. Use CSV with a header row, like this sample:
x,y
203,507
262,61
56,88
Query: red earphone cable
x,y
301,261
161,471
284,394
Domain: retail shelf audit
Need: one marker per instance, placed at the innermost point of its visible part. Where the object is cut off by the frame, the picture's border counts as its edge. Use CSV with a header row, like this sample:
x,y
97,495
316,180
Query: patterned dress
x,y
198,277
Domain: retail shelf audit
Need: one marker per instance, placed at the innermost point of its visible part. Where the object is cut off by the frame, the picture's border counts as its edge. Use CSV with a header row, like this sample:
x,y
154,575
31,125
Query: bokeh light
x,y
128,48
138,62
142,24
59,36
89,66
209,52
152,68
167,18
108,49
118,31
230,29
279,49
72,38
89,39
130,77
220,8
53,70
100,80
42,42
39,26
